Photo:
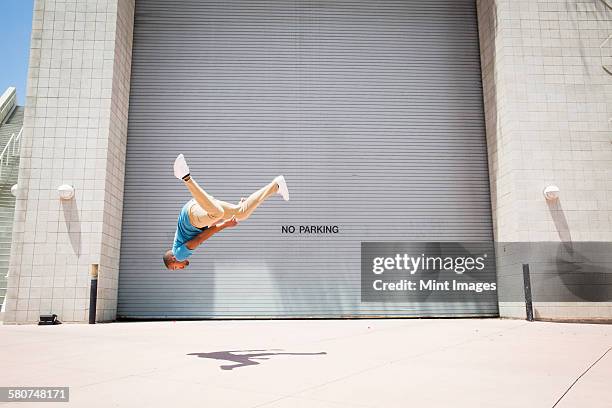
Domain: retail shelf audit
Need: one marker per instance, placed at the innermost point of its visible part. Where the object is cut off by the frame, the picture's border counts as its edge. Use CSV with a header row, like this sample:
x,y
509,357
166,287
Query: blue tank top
x,y
184,232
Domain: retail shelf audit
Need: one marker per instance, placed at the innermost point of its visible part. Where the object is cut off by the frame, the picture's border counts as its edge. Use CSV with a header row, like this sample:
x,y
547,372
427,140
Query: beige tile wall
x,y
75,131
548,103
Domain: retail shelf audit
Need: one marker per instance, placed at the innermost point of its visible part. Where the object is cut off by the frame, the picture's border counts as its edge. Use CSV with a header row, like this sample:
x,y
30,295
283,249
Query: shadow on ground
x,y
248,359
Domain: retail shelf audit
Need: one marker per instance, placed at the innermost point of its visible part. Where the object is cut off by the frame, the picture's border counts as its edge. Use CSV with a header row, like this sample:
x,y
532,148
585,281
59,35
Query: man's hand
x,y
232,222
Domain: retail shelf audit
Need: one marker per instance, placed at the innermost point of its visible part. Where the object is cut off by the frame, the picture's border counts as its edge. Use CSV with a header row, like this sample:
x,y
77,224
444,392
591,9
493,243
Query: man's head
x,y
172,263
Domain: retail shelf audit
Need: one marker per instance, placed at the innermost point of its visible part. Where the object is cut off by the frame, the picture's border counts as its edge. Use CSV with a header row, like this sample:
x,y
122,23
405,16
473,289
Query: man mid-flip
x,y
204,216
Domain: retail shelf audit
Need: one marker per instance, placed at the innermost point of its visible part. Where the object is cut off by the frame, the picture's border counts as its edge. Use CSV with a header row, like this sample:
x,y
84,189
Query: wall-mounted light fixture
x,y
65,191
14,190
551,192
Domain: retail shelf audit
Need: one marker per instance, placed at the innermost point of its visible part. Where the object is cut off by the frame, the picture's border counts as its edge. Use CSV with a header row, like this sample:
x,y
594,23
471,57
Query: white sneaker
x,y
180,167
282,187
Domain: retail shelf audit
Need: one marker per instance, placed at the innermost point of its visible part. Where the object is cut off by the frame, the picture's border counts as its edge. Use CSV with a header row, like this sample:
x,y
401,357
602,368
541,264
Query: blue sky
x,y
15,29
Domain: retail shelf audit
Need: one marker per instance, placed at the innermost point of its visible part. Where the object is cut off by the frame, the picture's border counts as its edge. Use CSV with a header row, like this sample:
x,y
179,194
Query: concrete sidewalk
x,y
313,364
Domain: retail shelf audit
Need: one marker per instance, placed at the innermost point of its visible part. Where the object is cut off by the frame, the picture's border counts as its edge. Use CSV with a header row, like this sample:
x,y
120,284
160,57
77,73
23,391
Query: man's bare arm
x,y
209,232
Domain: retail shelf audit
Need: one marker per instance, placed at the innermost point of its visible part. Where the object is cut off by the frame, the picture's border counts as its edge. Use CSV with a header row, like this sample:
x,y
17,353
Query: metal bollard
x,y
93,293
527,285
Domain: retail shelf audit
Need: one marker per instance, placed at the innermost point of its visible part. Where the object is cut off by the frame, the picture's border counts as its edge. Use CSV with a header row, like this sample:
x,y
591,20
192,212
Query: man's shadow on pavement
x,y
244,360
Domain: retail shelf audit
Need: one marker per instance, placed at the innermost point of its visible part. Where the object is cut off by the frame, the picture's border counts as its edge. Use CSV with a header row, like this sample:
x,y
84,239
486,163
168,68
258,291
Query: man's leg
x,y
208,203
244,210
217,209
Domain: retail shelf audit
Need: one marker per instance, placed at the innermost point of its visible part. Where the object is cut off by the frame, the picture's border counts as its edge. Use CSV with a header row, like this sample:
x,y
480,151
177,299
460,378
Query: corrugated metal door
x,y
371,109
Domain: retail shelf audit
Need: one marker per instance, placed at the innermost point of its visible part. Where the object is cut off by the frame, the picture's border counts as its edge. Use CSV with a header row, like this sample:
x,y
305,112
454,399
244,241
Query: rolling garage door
x,y
372,110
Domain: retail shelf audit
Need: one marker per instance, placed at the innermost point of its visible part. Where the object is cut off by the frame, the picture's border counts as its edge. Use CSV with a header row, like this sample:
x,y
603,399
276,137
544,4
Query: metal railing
x,y
10,152
8,101
9,155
